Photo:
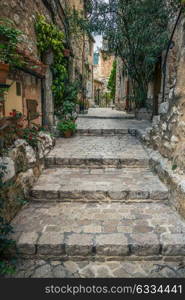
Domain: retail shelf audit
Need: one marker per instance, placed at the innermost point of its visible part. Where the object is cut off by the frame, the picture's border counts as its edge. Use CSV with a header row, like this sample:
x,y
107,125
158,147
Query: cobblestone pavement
x,y
102,229
98,151
107,113
86,269
99,211
87,124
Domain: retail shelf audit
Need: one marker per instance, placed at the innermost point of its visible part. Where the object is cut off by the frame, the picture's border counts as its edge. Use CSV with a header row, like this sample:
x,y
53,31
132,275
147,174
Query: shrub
x,y
66,125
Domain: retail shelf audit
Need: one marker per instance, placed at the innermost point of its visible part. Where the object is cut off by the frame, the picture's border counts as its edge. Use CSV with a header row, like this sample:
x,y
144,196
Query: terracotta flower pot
x,y
68,133
4,70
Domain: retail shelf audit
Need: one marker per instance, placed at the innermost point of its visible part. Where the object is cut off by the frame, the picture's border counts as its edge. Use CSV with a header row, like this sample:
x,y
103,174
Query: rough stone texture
x,y
89,126
145,244
112,245
113,239
106,113
173,178
24,166
86,269
8,163
168,136
113,229
79,245
116,151
80,184
51,241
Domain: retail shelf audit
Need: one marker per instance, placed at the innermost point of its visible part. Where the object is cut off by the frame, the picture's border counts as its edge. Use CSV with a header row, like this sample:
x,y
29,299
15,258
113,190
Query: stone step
x,y
97,152
98,127
102,132
98,185
114,231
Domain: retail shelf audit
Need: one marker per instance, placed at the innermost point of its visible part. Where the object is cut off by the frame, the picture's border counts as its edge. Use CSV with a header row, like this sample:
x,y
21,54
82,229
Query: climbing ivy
x,y
7,263
112,81
9,39
50,38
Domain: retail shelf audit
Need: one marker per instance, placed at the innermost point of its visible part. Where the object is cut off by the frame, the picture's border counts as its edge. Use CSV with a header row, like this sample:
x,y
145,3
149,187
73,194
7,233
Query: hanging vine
x,y
50,38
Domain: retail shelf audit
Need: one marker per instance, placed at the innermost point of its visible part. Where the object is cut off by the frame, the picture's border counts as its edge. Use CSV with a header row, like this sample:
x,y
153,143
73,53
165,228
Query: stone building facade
x,y
102,70
166,137
31,89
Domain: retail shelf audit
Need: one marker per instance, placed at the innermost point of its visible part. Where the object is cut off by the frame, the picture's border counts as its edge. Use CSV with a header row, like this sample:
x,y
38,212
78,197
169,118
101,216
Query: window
x,y
18,89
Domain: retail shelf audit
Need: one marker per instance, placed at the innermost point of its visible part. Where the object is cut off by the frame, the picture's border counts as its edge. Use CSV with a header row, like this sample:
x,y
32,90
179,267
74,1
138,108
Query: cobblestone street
x,y
98,210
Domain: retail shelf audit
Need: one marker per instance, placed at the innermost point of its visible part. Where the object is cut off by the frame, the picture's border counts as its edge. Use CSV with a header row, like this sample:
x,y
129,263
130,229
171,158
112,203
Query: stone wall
x,y
24,165
168,133
102,71
166,137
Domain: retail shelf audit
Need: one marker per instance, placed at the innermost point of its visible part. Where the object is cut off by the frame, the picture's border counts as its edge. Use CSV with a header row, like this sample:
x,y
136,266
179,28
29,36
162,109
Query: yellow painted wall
x,y
12,101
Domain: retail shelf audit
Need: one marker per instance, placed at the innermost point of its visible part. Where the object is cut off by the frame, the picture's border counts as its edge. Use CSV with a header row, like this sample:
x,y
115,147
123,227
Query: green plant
x,y
66,125
50,38
137,32
9,38
174,167
30,135
7,264
112,81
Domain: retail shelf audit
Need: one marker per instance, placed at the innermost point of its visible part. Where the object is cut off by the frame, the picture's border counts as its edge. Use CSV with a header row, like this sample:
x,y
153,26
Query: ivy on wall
x,y
112,81
50,38
7,263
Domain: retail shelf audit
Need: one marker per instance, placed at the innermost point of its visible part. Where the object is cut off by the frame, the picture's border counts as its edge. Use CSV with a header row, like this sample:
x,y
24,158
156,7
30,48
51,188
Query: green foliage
x,y
30,135
112,81
66,125
70,95
50,38
9,38
137,32
174,167
7,264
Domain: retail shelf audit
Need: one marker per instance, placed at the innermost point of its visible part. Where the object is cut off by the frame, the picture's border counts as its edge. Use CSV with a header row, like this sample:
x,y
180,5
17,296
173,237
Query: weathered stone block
x,y
8,163
144,244
79,244
27,243
51,243
173,244
111,244
163,108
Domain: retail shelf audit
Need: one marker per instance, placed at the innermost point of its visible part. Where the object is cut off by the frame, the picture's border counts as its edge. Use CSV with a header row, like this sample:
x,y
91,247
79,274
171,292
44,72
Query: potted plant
x,y
67,128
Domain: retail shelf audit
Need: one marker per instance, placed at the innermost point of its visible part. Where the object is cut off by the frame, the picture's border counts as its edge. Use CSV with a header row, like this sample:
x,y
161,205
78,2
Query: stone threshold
x,y
47,195
93,163
131,117
101,132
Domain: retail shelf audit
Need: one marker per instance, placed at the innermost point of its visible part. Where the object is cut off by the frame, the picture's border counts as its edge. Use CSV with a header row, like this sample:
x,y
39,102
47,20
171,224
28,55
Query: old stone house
x,y
30,89
103,67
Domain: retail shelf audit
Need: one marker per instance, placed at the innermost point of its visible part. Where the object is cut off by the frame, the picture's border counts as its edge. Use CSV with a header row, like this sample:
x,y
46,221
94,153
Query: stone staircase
x,y
98,200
